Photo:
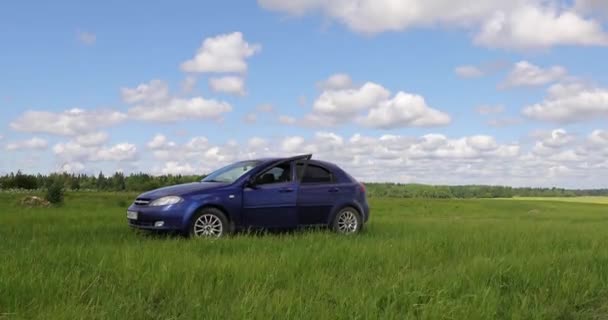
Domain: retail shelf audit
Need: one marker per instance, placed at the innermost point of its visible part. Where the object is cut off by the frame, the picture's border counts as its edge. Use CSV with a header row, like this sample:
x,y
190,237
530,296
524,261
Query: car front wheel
x,y
210,223
347,221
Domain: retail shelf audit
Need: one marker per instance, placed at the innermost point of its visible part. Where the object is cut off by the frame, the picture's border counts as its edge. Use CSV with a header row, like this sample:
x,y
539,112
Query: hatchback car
x,y
263,193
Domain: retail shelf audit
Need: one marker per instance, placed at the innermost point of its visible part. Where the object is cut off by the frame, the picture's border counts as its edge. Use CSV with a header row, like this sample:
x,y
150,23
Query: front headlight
x,y
165,201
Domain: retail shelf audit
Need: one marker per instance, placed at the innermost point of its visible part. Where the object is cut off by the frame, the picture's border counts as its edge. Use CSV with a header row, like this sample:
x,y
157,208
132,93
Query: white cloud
x,y
72,152
597,7
160,141
482,142
371,105
152,102
86,38
151,92
564,159
529,27
222,53
348,102
119,152
556,138
519,24
70,122
92,139
257,142
404,110
525,74
33,143
469,71
599,137
292,144
181,109
175,167
570,103
336,82
72,167
229,84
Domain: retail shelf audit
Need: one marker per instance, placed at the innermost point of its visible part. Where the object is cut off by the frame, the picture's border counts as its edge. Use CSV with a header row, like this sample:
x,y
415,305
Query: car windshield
x,y
231,173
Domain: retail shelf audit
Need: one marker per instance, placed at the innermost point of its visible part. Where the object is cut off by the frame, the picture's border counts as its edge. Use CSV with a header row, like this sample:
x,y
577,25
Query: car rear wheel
x,y
347,221
210,223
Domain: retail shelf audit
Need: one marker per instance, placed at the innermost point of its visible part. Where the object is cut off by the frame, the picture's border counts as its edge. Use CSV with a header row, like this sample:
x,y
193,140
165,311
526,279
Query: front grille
x,y
140,223
141,202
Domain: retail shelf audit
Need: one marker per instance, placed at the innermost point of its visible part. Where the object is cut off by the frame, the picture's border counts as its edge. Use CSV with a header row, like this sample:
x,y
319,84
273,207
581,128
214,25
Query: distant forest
x,y
143,182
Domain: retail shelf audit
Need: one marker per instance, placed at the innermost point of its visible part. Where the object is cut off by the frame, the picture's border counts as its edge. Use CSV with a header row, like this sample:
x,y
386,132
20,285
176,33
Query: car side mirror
x,y
251,183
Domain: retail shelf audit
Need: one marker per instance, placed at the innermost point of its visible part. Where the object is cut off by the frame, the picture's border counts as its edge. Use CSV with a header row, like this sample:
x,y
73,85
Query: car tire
x,y
347,221
210,223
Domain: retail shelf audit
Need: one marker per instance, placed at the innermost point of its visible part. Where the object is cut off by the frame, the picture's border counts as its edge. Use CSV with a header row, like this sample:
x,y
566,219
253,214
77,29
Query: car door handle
x,y
285,190
333,189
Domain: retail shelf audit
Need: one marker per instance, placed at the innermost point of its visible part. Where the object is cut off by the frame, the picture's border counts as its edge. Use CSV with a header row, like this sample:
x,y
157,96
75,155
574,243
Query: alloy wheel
x,y
209,226
347,222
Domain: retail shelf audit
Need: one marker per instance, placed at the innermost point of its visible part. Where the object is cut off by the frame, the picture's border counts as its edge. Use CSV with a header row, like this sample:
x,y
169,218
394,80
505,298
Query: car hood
x,y
181,189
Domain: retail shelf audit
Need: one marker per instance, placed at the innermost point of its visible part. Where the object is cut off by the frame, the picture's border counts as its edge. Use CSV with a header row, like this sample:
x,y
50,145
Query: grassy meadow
x,y
421,259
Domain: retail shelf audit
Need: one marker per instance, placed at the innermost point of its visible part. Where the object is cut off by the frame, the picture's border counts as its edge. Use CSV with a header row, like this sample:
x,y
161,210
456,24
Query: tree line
x,y
116,182
143,182
472,191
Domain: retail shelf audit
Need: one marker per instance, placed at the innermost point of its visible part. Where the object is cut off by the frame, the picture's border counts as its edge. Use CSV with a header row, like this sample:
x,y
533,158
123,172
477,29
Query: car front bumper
x,y
172,217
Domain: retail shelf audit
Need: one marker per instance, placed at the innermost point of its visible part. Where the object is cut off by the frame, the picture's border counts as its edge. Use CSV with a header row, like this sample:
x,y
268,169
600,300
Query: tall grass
x,y
427,259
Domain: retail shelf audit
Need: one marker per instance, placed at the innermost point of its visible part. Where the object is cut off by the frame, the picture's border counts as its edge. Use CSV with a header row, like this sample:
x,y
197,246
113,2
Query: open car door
x,y
270,201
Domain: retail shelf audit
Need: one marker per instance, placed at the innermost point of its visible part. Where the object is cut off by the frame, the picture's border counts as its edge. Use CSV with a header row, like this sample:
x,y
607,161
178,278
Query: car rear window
x,y
314,174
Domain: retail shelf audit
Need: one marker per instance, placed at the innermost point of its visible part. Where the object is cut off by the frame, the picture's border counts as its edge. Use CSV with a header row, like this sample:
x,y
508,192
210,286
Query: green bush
x,y
54,193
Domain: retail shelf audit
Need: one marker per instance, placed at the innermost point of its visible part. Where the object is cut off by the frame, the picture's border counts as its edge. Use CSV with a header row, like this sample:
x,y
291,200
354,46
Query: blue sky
x,y
493,92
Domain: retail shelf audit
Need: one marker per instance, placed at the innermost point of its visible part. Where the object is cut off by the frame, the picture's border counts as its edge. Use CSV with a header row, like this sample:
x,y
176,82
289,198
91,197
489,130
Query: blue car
x,y
262,193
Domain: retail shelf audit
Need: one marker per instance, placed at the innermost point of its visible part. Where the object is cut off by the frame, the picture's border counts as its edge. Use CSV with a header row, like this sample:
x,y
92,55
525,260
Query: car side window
x,y
277,174
314,174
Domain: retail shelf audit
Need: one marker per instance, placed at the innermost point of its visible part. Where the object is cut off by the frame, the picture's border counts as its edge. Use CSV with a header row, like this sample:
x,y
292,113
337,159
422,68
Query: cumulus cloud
x,y
222,53
599,137
176,167
336,82
34,143
151,92
597,7
530,26
555,139
92,139
568,103
371,105
119,152
73,152
69,123
526,74
160,141
153,102
520,24
564,160
404,110
229,84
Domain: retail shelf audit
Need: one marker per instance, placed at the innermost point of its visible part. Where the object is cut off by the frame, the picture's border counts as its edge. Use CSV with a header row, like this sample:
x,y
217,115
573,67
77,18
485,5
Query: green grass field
x,y
423,259
600,200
